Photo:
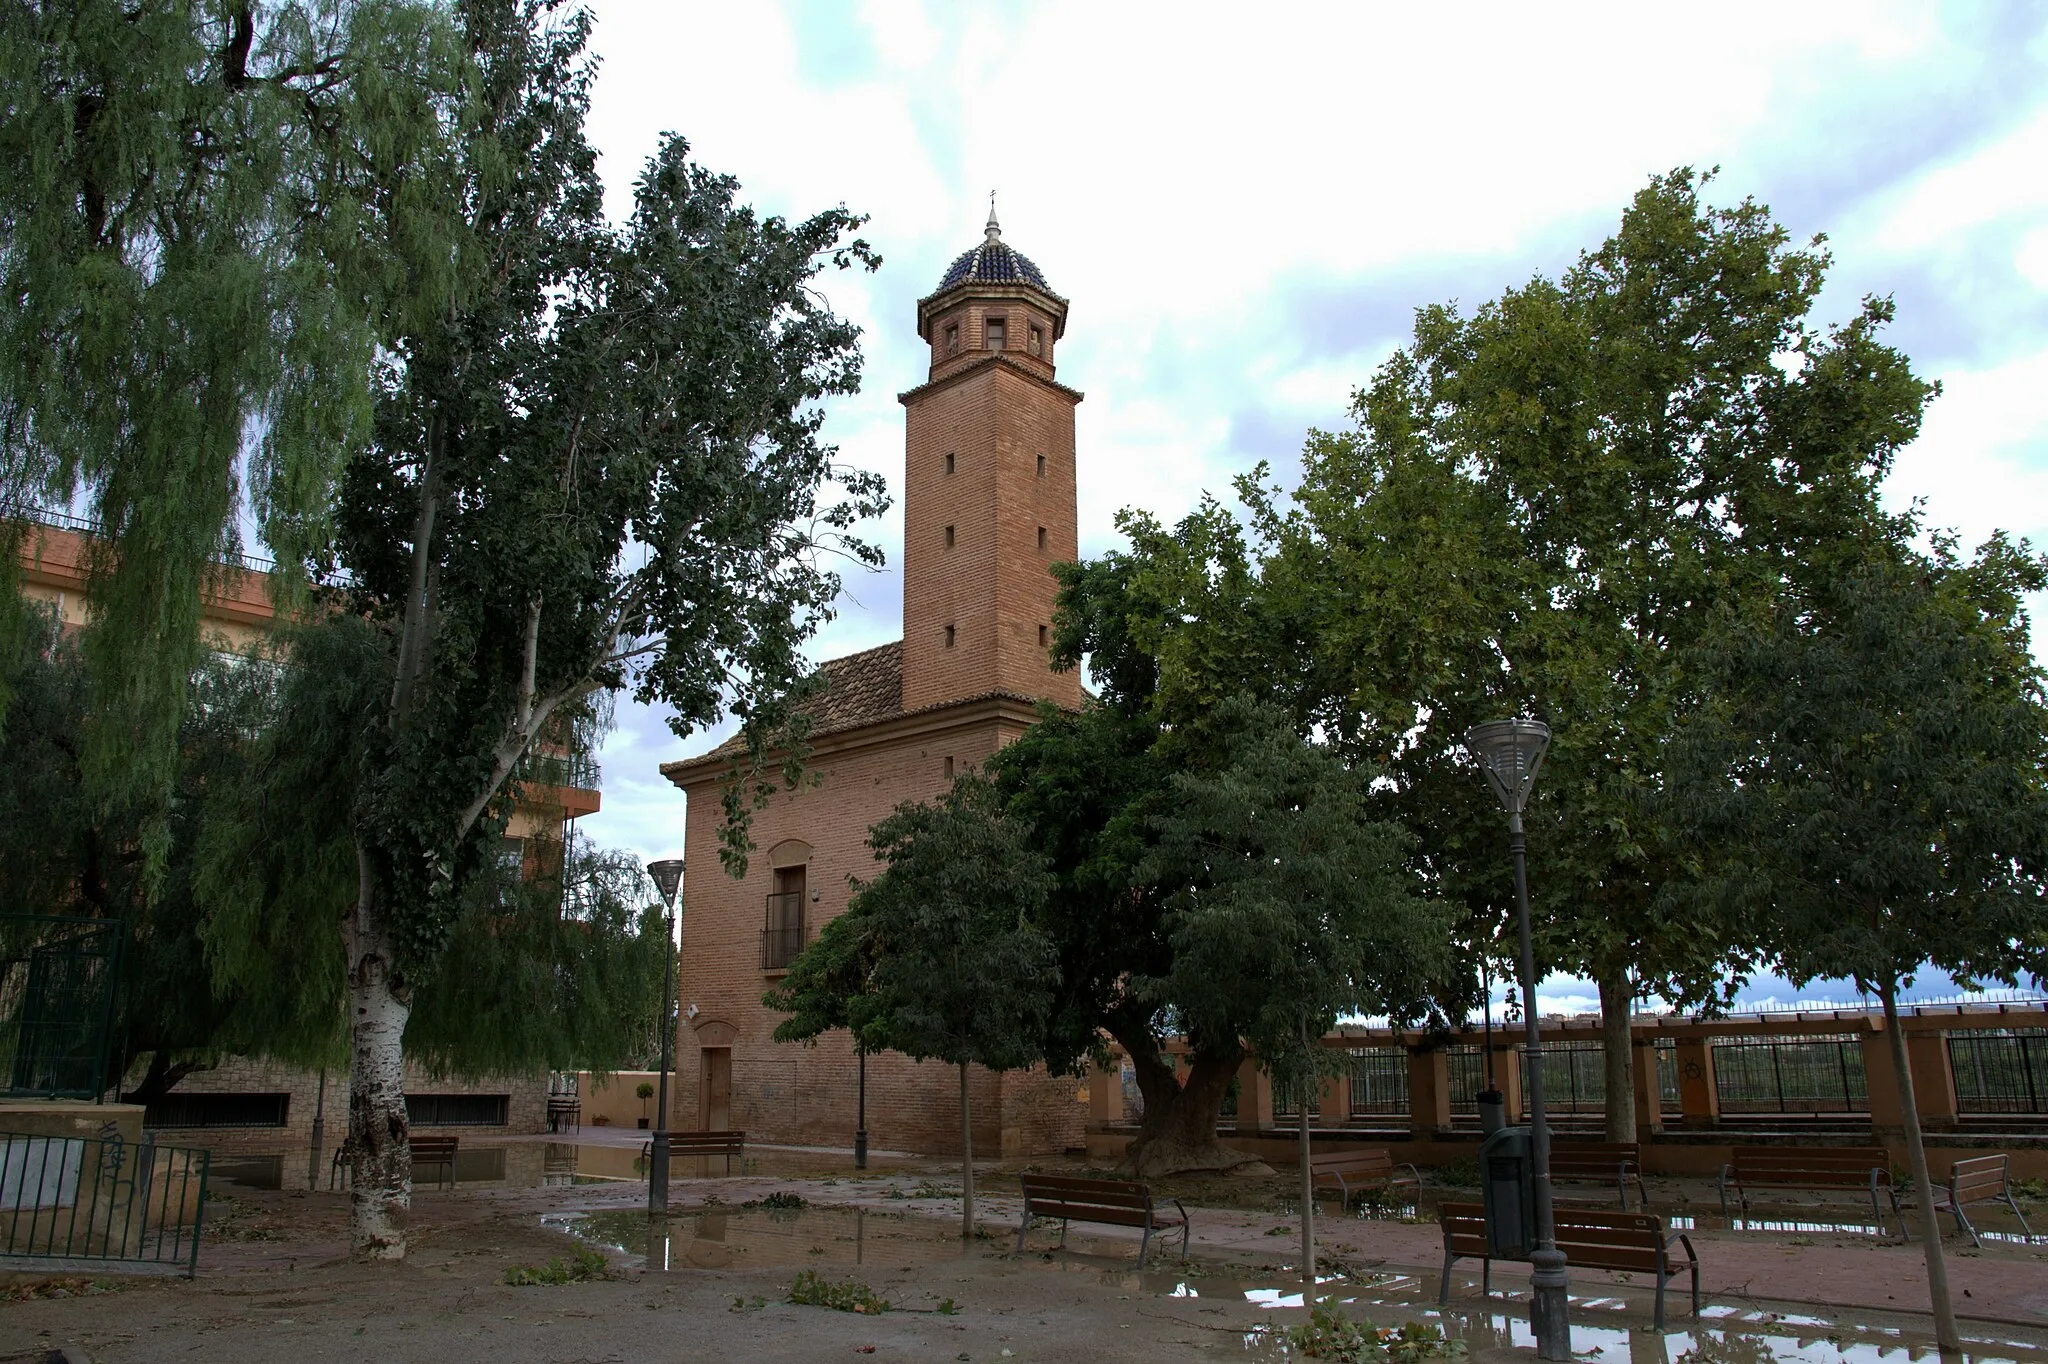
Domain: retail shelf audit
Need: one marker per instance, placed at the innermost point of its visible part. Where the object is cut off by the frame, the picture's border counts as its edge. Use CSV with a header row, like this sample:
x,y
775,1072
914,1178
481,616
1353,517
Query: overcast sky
x,y
1246,204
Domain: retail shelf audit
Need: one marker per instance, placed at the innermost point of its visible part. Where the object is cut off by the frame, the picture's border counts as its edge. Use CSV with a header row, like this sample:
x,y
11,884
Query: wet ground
x,y
1811,1280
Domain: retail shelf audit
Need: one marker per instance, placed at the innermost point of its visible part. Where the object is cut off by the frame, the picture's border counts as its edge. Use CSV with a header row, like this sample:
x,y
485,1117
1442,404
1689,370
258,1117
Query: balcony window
x,y
782,932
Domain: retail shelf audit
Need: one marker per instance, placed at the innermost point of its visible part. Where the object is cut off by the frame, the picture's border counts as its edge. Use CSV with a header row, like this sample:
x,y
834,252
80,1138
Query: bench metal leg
x,y
1023,1227
2025,1230
1443,1292
1144,1244
1962,1225
1486,1276
1661,1281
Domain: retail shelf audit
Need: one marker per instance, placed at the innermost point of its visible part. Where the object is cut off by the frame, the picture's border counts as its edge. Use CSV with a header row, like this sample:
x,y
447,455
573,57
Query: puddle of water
x,y
527,1165
725,1238
1612,1329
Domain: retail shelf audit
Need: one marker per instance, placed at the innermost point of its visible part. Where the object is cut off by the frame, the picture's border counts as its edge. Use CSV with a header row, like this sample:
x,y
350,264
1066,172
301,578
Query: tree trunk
x,y
1308,1102
381,1196
1617,1005
1178,1129
966,1162
1946,1336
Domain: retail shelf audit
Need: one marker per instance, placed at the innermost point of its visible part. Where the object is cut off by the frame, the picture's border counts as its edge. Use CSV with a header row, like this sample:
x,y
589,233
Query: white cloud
x,y
1243,205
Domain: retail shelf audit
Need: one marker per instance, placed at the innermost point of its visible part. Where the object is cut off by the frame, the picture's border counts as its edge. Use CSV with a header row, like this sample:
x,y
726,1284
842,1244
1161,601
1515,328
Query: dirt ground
x,y
276,1283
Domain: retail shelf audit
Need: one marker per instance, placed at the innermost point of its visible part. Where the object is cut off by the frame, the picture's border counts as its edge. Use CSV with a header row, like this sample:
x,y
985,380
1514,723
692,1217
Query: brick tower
x,y
988,508
988,491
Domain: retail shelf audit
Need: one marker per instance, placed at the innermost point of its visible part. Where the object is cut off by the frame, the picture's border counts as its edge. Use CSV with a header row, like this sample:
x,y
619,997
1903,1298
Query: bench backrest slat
x,y
1978,1177
1043,1193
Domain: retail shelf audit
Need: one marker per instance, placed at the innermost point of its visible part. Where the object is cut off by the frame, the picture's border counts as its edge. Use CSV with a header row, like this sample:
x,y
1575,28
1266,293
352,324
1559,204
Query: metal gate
x,y
78,1203
58,979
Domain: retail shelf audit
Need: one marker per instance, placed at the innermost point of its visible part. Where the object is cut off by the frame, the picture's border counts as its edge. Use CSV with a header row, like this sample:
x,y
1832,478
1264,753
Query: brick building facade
x,y
988,508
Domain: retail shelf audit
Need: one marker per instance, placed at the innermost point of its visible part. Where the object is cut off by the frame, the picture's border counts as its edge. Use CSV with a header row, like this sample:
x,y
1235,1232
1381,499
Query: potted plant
x,y
645,1091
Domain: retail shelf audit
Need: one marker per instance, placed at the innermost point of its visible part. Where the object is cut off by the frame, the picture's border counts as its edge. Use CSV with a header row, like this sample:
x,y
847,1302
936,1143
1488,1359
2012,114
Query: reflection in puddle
x,y
766,1237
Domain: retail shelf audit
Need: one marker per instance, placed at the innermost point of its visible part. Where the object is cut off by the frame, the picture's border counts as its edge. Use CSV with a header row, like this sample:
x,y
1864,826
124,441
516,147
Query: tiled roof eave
x,y
976,366
686,771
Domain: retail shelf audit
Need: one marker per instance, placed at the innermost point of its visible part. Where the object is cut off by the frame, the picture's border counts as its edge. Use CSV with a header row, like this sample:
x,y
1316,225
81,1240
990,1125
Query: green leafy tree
x,y
210,216
1289,908
1868,789
560,968
939,957
1193,671
601,470
1543,506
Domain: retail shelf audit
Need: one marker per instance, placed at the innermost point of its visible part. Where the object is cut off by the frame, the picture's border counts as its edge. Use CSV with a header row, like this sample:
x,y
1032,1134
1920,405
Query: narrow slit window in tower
x,y
1044,637
949,464
949,636
992,329
1041,466
949,769
1041,539
949,537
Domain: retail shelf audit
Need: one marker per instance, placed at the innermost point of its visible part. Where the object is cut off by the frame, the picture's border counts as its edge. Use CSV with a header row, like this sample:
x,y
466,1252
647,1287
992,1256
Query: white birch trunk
x,y
379,1137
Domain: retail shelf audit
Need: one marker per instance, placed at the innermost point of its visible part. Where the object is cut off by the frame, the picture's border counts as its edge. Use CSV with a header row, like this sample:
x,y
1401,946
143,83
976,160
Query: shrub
x,y
813,1290
587,1265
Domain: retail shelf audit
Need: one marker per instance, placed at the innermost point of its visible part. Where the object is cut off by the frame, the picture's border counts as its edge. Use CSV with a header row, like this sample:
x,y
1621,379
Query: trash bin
x,y
1507,1181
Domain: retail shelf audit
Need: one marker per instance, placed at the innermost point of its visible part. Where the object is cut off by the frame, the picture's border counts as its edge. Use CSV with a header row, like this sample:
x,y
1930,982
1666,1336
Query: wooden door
x,y
717,1106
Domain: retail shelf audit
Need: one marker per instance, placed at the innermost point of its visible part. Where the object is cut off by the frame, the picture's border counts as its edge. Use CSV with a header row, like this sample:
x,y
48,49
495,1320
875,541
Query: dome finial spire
x,y
994,230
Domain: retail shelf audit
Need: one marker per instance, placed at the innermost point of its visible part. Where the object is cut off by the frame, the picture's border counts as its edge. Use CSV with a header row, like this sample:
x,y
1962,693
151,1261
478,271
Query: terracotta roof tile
x,y
860,689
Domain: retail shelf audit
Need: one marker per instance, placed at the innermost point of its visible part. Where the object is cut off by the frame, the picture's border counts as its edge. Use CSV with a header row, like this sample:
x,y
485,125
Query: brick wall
x,y
526,1108
808,1095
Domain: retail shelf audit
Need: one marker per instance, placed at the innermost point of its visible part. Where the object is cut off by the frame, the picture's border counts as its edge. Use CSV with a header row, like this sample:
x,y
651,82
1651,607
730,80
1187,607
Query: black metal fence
x,y
2000,1071
71,1202
1822,1074
1379,1082
58,980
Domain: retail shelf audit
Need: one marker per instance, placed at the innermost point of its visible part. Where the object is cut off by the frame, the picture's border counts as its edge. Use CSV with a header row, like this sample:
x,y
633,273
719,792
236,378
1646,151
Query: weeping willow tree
x,y
211,211
231,949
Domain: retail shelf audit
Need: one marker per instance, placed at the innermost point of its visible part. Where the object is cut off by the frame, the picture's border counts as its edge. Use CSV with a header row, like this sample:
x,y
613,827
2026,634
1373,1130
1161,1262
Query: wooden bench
x,y
435,1151
1112,1202
1600,1162
727,1144
438,1152
1371,1167
1818,1168
1980,1179
1633,1242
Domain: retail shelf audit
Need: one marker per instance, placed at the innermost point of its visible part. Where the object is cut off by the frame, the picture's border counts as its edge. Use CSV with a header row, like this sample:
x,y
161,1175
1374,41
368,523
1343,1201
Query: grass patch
x,y
1329,1334
583,1267
812,1289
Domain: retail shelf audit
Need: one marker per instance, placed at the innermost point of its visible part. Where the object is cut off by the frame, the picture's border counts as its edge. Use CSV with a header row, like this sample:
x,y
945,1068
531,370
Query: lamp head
x,y
1510,753
668,878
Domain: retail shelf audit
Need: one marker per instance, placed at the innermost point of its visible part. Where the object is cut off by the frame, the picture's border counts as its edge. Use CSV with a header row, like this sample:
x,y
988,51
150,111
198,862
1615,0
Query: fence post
x,y
1934,1078
1699,1101
1429,1091
1507,1073
1333,1108
1887,1114
1642,1055
1254,1098
1106,1093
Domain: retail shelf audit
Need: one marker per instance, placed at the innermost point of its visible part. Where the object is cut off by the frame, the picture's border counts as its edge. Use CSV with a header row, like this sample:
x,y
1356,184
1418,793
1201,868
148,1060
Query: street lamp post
x,y
1510,752
860,1131
668,876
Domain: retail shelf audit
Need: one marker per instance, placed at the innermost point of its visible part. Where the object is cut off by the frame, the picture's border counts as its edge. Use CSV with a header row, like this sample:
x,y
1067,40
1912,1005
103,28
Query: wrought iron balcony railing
x,y
782,940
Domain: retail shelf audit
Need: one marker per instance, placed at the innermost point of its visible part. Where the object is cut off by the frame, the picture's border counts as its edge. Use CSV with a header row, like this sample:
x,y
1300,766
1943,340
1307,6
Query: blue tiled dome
x,y
993,262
